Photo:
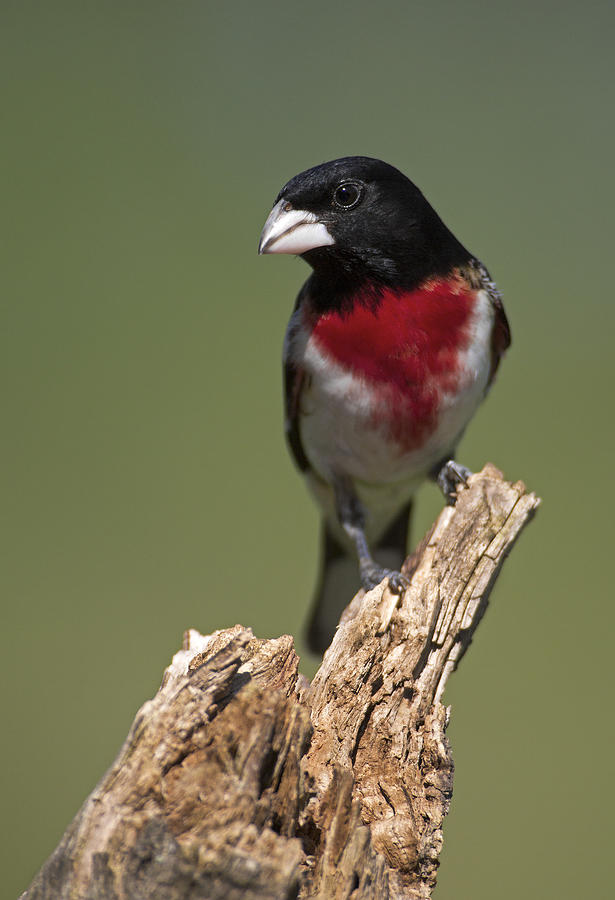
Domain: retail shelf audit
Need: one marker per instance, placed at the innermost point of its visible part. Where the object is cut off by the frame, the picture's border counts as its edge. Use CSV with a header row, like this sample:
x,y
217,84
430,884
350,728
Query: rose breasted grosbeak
x,y
393,343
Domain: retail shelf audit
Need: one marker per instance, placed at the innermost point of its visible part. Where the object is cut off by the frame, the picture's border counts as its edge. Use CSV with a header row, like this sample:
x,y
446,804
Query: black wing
x,y
294,382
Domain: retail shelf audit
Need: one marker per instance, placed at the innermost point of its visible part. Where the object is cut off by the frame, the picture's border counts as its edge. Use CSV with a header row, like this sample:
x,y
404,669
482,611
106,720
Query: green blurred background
x,y
146,486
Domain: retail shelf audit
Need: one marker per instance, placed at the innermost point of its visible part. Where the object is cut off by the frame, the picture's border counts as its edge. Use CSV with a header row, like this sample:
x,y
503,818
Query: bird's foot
x,y
372,574
450,476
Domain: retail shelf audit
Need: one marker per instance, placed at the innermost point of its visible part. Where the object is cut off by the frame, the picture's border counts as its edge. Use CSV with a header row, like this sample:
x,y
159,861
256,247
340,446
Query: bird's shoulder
x,y
478,277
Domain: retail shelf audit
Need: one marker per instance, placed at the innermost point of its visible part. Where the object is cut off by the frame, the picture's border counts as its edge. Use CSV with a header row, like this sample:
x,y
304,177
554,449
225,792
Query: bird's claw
x,y
398,582
372,575
450,476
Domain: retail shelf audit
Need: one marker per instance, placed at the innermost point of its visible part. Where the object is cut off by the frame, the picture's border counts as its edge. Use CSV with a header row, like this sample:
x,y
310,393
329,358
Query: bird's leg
x,y
351,517
449,476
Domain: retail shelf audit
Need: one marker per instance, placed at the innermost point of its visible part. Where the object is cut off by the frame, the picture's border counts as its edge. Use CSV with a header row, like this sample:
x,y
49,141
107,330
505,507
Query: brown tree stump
x,y
241,780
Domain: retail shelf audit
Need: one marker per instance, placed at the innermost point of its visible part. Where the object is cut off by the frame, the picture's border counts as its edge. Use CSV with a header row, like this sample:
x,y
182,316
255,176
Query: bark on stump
x,y
241,780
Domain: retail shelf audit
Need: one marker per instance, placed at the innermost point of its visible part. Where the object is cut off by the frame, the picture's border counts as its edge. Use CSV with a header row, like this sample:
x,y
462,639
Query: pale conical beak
x,y
289,230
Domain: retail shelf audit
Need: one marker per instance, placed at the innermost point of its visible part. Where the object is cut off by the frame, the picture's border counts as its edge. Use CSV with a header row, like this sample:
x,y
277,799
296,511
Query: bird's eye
x,y
347,195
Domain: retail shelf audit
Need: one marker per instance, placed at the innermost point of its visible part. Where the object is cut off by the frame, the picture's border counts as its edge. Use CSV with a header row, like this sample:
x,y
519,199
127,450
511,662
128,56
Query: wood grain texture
x,y
241,780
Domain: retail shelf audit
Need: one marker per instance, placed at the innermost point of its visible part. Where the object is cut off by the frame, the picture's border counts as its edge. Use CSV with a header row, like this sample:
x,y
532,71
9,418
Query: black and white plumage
x,y
392,345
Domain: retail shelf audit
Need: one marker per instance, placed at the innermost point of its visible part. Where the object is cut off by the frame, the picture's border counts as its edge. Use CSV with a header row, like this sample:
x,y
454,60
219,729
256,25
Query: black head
x,y
361,220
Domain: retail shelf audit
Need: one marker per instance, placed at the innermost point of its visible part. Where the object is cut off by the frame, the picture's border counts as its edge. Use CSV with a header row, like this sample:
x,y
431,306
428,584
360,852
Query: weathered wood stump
x,y
241,780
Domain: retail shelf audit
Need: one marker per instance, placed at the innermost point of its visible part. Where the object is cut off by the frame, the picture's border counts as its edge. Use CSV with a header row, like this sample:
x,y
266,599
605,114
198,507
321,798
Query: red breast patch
x,y
408,348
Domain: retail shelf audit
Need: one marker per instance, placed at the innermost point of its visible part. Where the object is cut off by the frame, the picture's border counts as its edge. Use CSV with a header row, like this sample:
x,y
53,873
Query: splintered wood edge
x,y
452,572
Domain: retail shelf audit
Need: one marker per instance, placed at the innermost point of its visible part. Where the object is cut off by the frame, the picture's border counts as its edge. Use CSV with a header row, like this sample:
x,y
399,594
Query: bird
x,y
393,342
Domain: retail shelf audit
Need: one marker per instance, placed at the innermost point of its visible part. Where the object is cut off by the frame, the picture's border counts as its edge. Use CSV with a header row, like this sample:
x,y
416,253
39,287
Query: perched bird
x,y
393,342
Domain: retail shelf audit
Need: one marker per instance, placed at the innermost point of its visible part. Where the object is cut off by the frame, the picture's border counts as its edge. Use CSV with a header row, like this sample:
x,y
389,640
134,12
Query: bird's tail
x,y
339,577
